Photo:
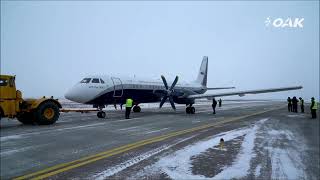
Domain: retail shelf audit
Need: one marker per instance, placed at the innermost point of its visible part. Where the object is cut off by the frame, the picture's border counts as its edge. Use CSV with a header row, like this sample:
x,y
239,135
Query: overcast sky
x,y
50,46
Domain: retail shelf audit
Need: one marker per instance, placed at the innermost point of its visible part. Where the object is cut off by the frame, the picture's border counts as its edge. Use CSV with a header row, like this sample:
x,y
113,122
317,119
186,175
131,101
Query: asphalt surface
x,y
276,134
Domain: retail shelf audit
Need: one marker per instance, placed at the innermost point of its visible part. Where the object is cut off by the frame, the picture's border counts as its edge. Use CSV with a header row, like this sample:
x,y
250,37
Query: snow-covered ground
x,y
282,147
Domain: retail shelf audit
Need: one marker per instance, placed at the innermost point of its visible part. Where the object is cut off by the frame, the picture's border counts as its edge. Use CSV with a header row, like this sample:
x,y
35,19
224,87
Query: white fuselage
x,y
110,90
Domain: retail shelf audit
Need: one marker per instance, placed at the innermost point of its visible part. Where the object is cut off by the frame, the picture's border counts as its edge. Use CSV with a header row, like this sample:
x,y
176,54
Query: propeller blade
x,y
172,103
174,83
164,82
163,100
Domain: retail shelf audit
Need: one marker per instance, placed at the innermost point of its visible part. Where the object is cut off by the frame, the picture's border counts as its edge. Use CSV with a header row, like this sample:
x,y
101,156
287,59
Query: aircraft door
x,y
117,87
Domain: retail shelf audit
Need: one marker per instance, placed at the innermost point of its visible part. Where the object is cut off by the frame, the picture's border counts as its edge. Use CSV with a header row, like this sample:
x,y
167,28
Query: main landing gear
x,y
190,109
136,108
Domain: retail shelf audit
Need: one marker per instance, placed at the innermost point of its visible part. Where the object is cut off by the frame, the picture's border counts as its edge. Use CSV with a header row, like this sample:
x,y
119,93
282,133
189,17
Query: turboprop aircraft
x,y
105,90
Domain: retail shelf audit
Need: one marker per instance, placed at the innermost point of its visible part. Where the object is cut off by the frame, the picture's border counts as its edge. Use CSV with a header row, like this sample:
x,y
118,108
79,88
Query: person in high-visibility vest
x,y
301,104
129,103
313,108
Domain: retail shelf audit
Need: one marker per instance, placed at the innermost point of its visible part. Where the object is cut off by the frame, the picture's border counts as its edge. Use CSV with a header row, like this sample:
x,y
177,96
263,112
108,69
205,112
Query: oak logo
x,y
284,22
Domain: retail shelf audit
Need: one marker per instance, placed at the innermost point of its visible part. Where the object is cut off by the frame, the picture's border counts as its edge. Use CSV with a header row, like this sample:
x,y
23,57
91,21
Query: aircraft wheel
x,y
101,114
192,110
136,109
188,111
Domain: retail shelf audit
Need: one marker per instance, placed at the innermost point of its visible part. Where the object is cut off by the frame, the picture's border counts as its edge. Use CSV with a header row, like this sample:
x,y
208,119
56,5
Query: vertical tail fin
x,y
202,75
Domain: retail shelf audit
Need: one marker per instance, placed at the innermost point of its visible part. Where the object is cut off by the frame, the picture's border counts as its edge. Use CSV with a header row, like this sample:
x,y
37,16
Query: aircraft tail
x,y
202,75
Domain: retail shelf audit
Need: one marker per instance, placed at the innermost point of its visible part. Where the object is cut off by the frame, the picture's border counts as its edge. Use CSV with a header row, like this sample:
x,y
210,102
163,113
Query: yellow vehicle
x,y
27,111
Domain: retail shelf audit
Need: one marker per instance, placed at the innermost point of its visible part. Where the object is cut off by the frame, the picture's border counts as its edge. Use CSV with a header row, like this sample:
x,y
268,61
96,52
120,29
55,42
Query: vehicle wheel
x,y
26,118
99,114
47,113
188,110
136,109
192,110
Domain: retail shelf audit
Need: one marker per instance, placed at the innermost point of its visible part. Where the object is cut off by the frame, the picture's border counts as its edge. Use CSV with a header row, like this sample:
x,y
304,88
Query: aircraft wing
x,y
243,93
217,88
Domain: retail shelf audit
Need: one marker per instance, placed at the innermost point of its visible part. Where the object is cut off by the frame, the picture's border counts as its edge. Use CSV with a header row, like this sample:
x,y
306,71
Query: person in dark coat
x,y
220,102
295,104
214,104
289,104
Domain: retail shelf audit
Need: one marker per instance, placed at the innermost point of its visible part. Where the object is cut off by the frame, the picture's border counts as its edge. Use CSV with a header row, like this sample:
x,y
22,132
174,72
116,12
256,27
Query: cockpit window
x,y
95,80
3,82
85,80
102,82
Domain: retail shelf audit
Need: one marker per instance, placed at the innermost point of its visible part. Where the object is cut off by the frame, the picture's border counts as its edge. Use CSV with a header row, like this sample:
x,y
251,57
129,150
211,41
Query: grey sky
x,y
52,45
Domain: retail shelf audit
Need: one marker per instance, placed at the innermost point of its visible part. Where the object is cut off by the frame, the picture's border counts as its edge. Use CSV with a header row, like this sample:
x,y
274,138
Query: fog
x,y
50,46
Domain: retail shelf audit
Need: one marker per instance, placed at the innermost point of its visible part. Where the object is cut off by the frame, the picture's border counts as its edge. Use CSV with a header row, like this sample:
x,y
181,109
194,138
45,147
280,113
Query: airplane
x,y
101,91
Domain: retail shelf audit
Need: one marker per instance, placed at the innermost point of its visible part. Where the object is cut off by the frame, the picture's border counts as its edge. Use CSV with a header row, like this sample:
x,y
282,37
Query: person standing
x,y
313,108
295,104
129,103
301,104
289,104
214,104
220,102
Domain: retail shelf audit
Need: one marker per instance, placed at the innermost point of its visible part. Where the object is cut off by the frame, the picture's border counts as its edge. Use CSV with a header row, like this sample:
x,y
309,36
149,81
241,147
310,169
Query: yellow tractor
x,y
28,111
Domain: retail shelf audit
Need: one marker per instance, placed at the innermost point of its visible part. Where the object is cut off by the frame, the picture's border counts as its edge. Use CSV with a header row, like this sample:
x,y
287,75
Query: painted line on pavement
x,y
45,173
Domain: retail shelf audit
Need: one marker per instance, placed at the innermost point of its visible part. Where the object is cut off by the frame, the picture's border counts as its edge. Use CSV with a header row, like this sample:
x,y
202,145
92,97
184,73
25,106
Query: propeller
x,y
169,92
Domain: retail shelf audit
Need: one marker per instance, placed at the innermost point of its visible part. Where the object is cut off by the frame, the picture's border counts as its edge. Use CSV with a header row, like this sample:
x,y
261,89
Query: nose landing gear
x,y
101,114
190,109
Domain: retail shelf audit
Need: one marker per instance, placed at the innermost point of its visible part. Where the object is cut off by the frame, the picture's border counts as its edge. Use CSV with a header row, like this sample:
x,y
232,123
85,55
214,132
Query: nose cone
x,y
69,95
78,94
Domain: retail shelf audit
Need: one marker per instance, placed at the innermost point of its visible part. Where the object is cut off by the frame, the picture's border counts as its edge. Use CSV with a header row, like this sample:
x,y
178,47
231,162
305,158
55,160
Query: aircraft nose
x,y
69,95
79,94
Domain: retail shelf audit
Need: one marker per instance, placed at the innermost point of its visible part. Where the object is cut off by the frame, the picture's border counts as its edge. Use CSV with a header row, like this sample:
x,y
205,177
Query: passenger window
x,y
95,80
102,82
3,82
85,80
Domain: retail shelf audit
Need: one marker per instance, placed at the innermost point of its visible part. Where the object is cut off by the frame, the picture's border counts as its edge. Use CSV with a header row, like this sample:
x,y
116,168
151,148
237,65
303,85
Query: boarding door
x,y
117,87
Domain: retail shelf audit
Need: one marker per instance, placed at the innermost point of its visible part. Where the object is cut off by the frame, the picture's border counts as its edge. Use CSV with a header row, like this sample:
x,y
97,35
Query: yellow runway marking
x,y
90,159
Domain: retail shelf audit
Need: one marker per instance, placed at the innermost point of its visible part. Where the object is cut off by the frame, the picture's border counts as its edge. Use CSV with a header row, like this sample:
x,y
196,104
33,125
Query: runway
x,y
84,146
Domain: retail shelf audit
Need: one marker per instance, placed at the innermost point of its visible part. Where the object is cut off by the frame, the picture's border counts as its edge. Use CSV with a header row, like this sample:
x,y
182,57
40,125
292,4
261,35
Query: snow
x,y
6,138
282,146
286,161
257,171
178,165
149,132
242,164
115,169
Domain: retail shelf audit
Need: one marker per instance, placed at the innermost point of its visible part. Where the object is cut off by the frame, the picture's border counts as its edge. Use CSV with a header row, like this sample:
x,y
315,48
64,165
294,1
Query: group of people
x,y
293,105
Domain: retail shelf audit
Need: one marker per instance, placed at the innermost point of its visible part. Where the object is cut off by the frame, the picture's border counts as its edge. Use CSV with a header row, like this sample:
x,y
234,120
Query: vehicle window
x,y
85,80
3,82
102,82
11,82
95,80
